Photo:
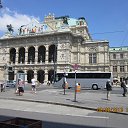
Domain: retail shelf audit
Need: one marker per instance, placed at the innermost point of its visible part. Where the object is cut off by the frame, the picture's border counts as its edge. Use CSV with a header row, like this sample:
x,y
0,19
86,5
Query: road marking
x,y
47,108
98,117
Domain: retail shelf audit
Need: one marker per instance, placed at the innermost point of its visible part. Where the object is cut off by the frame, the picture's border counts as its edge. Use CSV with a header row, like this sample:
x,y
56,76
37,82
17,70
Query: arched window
x,y
41,54
31,55
13,55
21,58
40,76
52,53
30,75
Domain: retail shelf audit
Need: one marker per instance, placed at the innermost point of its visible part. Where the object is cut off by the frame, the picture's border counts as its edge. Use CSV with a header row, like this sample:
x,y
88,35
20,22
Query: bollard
x,y
66,85
78,87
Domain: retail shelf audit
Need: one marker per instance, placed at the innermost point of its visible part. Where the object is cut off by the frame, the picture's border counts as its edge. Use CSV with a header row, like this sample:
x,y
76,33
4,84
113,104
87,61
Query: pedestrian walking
x,y
20,87
109,89
2,87
123,85
33,85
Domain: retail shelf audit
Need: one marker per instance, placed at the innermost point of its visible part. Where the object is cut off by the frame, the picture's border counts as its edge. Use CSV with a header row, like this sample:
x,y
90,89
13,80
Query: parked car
x,y
11,83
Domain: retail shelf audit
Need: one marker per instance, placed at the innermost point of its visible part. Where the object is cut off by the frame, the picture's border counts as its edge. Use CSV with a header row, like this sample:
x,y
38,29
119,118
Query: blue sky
x,y
107,19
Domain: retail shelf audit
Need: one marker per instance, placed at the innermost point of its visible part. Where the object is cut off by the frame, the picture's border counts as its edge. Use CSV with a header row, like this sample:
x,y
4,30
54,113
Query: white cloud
x,y
15,19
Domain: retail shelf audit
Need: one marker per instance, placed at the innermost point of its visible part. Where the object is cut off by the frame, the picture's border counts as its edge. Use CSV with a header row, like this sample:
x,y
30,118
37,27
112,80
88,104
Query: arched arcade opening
x,y
30,75
12,55
40,76
51,75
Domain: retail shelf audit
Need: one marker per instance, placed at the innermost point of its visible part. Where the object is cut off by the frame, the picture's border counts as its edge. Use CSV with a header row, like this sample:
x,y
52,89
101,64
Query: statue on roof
x,y
10,28
65,20
20,29
81,18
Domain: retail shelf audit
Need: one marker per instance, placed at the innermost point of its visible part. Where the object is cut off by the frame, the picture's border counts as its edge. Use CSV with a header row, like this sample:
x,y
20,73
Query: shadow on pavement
x,y
62,125
46,124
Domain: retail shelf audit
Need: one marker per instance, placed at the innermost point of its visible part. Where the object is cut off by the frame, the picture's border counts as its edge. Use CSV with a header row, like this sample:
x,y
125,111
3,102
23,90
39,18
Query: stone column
x,y
35,74
26,55
7,55
46,75
78,52
125,66
118,70
46,55
25,71
36,54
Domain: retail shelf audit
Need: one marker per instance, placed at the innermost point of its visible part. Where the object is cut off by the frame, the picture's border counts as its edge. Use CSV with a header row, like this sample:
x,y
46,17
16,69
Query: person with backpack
x,y
109,89
123,85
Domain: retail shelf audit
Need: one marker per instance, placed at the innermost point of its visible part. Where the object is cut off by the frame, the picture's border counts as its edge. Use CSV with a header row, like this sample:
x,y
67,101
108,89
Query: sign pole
x,y
75,69
64,83
64,80
75,88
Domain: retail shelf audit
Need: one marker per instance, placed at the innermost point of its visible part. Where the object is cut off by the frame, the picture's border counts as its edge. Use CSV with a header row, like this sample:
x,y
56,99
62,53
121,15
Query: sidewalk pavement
x,y
91,100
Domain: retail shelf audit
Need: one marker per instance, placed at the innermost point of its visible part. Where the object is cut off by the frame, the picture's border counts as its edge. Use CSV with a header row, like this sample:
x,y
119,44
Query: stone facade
x,y
57,44
119,62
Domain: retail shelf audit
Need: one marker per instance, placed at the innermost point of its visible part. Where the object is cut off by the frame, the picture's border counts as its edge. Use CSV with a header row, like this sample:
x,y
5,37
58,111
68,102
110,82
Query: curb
x,y
58,103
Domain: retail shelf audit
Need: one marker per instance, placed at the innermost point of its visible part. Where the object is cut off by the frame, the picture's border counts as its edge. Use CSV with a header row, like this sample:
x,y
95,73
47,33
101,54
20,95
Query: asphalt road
x,y
56,116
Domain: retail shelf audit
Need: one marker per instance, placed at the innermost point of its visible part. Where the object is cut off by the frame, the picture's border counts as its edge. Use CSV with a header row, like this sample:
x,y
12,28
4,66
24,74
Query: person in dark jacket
x,y
109,89
2,87
123,85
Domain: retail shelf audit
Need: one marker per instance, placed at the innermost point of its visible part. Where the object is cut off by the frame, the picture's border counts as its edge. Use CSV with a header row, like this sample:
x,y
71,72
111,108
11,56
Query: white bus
x,y
93,80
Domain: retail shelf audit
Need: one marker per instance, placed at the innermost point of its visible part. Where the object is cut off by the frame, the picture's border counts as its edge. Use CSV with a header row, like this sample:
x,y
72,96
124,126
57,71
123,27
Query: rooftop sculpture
x,y
10,29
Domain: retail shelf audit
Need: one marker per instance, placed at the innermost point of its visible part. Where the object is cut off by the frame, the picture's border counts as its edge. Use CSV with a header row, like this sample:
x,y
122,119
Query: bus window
x,y
59,76
87,79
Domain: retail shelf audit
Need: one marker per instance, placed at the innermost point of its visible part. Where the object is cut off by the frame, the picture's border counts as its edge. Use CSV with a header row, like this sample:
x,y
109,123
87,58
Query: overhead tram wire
x,y
124,39
107,32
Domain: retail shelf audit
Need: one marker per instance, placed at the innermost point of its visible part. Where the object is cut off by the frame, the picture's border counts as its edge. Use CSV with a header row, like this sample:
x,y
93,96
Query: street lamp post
x,y
55,59
75,88
75,68
64,84
5,74
54,68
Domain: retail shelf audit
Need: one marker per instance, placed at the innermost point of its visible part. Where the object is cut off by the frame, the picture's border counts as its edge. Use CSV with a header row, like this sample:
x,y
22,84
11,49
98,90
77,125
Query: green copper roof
x,y
124,48
72,21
